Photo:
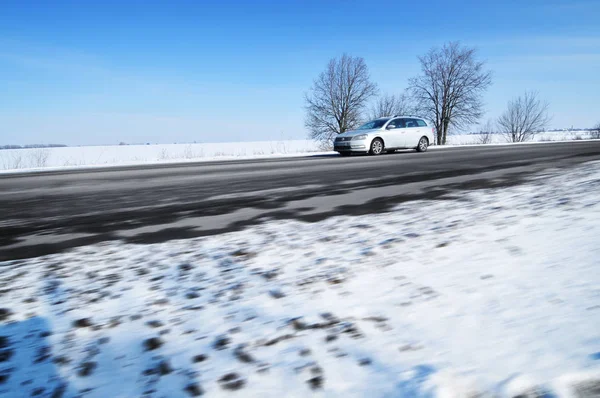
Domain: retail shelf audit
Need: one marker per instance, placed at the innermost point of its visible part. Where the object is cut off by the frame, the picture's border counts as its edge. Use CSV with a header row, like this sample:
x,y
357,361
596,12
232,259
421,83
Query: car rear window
x,y
421,123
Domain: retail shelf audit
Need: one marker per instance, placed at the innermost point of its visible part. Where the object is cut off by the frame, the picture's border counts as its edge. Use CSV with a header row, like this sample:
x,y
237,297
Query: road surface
x,y
42,213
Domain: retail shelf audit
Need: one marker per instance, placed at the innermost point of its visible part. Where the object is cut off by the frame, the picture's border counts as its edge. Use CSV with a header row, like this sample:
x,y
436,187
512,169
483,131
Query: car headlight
x,y
359,137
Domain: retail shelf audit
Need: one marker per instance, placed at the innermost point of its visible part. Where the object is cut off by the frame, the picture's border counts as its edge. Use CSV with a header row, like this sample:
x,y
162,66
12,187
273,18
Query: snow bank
x,y
494,293
35,158
97,156
554,136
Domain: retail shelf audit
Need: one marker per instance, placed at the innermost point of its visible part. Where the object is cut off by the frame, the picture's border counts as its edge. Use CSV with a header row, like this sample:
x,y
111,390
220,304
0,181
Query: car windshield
x,y
373,124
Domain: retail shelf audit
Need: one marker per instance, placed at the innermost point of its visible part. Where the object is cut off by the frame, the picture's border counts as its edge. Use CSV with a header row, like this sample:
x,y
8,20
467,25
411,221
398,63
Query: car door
x,y
394,134
413,133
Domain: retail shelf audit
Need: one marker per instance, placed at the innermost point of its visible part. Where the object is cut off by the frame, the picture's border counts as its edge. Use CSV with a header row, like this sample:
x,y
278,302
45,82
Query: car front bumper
x,y
351,146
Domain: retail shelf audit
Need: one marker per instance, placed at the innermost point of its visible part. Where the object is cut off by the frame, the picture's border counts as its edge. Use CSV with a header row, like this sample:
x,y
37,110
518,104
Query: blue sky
x,y
101,72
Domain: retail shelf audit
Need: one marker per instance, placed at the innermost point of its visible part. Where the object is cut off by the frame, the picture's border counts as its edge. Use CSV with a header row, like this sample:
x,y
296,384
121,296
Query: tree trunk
x,y
440,133
445,132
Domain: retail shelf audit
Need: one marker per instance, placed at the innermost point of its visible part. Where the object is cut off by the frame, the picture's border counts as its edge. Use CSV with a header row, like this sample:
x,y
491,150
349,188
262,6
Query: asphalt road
x,y
42,213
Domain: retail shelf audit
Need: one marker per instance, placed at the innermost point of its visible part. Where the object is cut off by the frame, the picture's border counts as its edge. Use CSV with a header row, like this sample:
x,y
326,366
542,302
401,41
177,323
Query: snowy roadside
x,y
76,158
35,159
491,293
499,139
166,162
504,144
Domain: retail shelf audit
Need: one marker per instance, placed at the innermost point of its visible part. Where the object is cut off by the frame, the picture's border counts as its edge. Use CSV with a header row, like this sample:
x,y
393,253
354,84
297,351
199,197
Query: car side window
x,y
399,123
421,123
411,123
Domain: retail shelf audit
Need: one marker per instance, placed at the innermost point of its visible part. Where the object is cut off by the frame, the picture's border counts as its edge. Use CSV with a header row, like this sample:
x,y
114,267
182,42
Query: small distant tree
x,y
39,157
450,88
389,105
338,97
486,132
595,133
524,117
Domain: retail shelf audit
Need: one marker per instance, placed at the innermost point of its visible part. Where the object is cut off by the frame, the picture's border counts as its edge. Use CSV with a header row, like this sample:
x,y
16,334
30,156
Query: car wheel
x,y
423,144
377,147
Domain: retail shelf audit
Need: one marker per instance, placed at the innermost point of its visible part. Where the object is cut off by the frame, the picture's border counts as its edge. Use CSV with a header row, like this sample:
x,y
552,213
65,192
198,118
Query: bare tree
x,y
338,97
389,105
449,91
11,159
595,133
524,117
39,157
486,132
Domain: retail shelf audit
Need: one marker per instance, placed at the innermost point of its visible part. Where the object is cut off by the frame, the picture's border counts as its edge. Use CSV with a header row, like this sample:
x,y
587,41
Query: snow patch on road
x,y
493,293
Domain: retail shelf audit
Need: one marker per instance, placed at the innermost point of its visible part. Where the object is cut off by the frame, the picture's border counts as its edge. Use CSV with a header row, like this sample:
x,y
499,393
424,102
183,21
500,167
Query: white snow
x,y
52,159
120,155
550,136
493,293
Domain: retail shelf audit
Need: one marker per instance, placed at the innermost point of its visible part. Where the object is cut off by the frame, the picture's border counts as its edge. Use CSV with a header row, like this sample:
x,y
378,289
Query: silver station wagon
x,y
386,134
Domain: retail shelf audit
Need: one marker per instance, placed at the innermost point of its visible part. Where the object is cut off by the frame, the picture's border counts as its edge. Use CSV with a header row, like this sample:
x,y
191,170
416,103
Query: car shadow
x,y
397,152
326,155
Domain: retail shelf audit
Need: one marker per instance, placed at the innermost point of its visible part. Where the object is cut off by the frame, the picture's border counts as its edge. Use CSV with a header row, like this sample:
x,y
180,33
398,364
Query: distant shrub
x,y
11,160
595,133
164,154
486,134
39,157
188,153
484,138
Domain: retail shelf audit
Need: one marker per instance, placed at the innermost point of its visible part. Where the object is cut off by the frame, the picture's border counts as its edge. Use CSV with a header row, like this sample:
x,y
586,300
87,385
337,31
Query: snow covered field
x,y
35,158
93,156
494,293
474,139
